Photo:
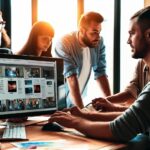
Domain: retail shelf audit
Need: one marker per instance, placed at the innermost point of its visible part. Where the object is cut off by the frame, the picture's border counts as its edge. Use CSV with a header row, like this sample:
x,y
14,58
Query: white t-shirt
x,y
86,69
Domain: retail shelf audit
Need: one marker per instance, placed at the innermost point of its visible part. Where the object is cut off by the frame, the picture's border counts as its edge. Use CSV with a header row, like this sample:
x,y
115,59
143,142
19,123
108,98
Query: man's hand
x,y
64,119
104,105
76,111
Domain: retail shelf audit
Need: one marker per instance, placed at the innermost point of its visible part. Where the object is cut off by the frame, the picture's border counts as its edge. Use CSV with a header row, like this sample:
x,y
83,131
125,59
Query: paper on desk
x,y
44,144
50,145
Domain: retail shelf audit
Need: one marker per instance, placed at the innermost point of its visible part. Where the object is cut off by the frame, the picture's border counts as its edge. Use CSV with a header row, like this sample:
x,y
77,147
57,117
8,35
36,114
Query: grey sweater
x,y
134,120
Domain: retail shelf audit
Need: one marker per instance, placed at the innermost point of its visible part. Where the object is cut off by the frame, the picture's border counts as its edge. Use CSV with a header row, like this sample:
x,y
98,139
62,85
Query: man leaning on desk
x,y
82,52
136,119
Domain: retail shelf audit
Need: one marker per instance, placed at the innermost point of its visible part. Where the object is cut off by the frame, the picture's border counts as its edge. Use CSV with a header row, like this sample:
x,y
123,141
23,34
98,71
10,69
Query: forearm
x,y
103,84
75,91
6,38
121,107
121,97
101,116
100,130
89,128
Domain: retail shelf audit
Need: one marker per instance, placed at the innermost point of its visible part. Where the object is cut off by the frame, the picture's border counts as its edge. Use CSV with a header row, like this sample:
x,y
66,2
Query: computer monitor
x,y
30,86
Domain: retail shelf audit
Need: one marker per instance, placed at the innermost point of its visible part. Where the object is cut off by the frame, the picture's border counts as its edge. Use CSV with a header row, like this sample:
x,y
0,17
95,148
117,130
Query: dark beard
x,y
143,50
139,55
87,42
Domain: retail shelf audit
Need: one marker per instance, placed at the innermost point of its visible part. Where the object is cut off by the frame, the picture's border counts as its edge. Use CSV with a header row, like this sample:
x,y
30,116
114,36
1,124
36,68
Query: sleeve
x,y
100,66
134,88
134,120
61,50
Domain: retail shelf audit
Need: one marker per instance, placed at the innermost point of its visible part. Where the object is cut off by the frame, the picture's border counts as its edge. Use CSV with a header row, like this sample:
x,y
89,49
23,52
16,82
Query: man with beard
x,y
122,100
136,119
82,51
130,94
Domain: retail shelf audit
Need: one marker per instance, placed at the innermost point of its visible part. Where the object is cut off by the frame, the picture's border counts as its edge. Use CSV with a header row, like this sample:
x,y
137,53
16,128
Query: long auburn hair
x,y
38,28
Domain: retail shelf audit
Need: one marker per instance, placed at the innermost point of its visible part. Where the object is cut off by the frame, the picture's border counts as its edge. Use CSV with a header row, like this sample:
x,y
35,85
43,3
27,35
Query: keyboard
x,y
14,131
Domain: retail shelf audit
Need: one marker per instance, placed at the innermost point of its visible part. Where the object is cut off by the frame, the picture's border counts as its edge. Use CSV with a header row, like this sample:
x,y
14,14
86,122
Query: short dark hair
x,y
143,18
87,18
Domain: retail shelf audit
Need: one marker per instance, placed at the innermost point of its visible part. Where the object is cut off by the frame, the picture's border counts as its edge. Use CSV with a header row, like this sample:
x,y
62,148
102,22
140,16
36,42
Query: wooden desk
x,y
77,140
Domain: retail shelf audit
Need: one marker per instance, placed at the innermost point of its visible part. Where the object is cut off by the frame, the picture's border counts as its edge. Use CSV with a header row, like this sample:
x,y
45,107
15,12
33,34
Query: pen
x,y
88,104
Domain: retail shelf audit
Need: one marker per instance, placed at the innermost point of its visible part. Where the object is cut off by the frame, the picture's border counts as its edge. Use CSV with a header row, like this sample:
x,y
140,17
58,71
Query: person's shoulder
x,y
148,86
68,39
146,89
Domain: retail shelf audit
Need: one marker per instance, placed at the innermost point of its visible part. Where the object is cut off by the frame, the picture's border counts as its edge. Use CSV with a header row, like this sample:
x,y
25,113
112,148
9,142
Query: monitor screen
x,y
30,85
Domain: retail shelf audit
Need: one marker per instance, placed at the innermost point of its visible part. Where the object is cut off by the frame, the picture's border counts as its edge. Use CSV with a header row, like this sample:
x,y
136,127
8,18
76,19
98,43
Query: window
x,y
21,23
62,14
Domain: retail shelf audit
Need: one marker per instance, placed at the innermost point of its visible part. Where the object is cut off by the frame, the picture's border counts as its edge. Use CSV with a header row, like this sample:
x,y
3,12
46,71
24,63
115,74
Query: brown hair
x,y
143,18
38,28
87,18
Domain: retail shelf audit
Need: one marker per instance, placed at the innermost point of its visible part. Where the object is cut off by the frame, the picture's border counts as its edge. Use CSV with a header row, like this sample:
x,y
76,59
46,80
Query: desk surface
x,y
75,139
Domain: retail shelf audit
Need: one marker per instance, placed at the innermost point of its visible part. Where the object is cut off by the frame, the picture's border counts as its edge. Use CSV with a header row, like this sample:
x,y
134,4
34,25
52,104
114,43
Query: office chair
x,y
5,50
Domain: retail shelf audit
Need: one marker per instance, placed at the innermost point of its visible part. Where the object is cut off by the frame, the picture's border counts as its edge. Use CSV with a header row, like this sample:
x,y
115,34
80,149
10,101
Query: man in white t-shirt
x,y
82,51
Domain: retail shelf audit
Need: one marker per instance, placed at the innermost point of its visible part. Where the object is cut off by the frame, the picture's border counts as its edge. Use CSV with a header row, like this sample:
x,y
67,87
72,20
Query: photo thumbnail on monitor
x,y
12,86
13,71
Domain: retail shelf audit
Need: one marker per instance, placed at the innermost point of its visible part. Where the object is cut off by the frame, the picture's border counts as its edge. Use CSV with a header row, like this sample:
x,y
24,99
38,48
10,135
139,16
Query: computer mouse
x,y
53,127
